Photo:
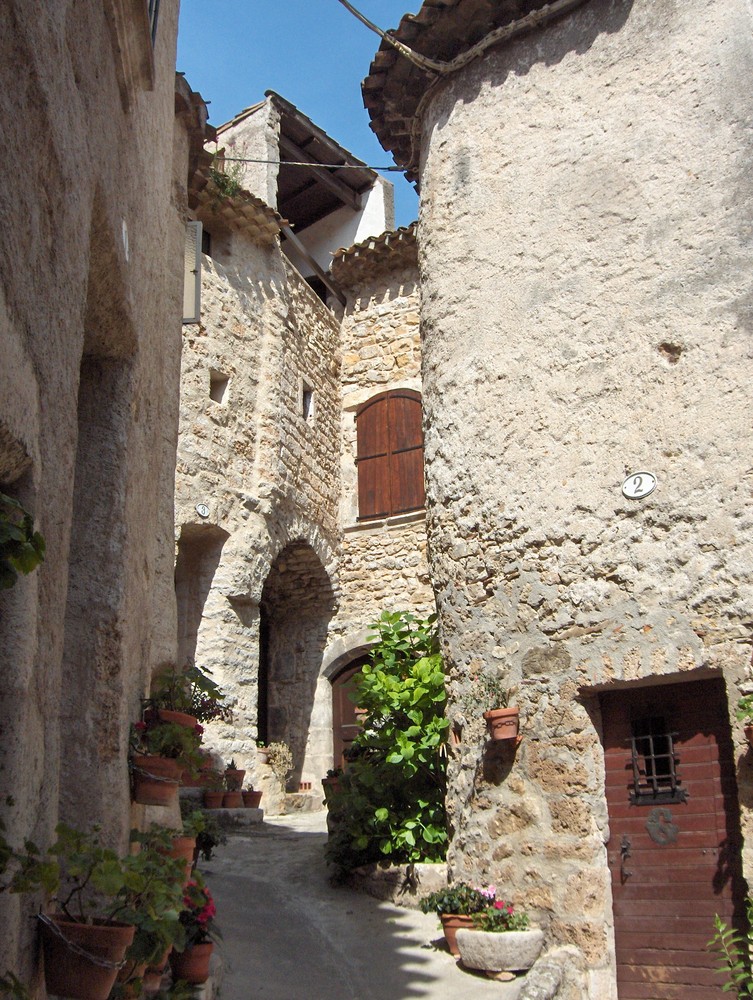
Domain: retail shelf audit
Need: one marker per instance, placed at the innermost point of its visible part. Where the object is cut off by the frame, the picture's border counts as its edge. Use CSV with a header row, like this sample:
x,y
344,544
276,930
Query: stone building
x,y
279,570
586,267
93,208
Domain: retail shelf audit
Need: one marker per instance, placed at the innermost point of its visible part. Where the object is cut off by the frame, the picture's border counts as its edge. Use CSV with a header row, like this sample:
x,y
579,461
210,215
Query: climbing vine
x,y
391,802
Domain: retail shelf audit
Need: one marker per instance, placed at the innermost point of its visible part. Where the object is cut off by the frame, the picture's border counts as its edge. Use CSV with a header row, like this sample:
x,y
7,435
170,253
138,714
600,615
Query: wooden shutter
x,y
390,454
192,274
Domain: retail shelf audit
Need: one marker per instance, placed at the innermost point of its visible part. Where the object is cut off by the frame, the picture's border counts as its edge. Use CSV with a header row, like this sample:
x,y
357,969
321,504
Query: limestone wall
x,y
265,460
382,565
91,252
586,314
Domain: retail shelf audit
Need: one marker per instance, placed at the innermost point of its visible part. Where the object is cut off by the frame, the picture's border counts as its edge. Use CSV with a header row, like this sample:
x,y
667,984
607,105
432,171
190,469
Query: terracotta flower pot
x,y
503,723
234,779
68,974
451,923
192,965
232,800
213,800
128,975
154,973
183,848
168,715
263,755
251,799
155,780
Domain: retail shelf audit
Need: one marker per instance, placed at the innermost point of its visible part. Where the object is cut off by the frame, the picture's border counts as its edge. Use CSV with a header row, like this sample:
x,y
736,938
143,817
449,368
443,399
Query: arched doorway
x,y
296,605
345,715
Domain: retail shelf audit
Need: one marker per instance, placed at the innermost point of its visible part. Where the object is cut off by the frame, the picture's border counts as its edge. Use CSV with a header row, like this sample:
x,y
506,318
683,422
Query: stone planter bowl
x,y
510,951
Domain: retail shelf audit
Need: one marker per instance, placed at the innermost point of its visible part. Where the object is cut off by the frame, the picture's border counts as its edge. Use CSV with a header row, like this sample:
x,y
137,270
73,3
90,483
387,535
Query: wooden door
x,y
345,720
674,848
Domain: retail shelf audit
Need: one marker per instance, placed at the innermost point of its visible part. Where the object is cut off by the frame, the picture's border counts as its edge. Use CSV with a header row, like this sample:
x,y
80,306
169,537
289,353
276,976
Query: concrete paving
x,y
289,935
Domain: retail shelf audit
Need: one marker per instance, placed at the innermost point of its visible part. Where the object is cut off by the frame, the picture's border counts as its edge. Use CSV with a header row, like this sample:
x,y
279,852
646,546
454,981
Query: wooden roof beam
x,y
322,275
341,191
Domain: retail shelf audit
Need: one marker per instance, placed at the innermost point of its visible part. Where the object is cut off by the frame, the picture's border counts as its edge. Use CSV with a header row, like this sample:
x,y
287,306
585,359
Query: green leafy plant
x,y
461,899
280,759
168,739
733,951
209,835
391,803
745,708
500,917
11,986
21,547
191,690
227,178
487,692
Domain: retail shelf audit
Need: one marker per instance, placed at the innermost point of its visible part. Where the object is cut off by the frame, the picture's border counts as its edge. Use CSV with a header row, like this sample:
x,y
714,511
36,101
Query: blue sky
x,y
314,53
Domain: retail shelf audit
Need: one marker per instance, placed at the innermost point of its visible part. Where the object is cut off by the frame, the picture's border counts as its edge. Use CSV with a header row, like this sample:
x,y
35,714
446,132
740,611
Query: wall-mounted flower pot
x,y
251,799
503,723
263,755
70,974
213,800
192,965
451,924
154,715
183,848
232,800
155,780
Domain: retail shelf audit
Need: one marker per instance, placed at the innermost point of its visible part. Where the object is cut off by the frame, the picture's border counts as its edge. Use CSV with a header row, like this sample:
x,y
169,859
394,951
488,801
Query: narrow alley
x,y
288,934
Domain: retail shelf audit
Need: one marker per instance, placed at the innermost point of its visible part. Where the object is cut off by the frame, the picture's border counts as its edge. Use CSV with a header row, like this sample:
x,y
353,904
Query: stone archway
x,y
297,603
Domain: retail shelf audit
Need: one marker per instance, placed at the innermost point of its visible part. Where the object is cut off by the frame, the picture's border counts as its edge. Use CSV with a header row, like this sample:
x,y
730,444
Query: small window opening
x,y
654,763
307,403
318,286
218,383
206,242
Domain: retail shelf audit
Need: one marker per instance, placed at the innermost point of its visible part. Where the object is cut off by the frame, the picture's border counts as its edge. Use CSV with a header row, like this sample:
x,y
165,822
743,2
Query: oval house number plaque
x,y
639,485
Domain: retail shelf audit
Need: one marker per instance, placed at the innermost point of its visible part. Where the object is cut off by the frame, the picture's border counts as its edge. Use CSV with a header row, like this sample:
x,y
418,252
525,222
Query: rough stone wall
x,y
91,253
269,473
586,278
382,564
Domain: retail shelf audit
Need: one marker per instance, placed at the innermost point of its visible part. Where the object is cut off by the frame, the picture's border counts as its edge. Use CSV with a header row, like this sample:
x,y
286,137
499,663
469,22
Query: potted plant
x,y
190,962
102,900
501,941
262,751
152,898
251,798
214,790
186,696
489,692
160,752
280,760
744,713
206,828
234,777
331,782
455,906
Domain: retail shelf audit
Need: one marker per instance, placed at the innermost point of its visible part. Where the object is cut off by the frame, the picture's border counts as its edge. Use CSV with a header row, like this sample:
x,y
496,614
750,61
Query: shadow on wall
x,y
296,606
575,33
199,554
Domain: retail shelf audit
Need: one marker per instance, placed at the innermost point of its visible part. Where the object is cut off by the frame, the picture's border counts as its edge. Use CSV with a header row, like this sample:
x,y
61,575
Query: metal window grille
x,y
654,764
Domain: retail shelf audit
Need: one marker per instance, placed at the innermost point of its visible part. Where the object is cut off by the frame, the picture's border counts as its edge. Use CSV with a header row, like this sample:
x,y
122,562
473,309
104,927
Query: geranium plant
x,y
190,690
499,917
168,739
460,899
21,547
197,915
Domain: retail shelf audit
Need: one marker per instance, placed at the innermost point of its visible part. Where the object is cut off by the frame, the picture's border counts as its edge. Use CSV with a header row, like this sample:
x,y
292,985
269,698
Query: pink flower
x,y
499,904
139,726
198,729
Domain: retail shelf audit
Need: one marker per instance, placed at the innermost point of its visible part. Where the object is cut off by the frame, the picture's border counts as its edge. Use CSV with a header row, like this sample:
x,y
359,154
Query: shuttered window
x,y
192,273
390,454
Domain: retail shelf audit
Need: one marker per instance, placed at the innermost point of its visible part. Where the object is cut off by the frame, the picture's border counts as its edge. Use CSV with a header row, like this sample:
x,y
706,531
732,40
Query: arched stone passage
x,y
296,606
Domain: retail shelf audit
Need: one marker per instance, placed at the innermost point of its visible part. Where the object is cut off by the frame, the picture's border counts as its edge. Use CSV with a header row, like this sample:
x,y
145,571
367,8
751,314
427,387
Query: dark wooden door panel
x,y
674,851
